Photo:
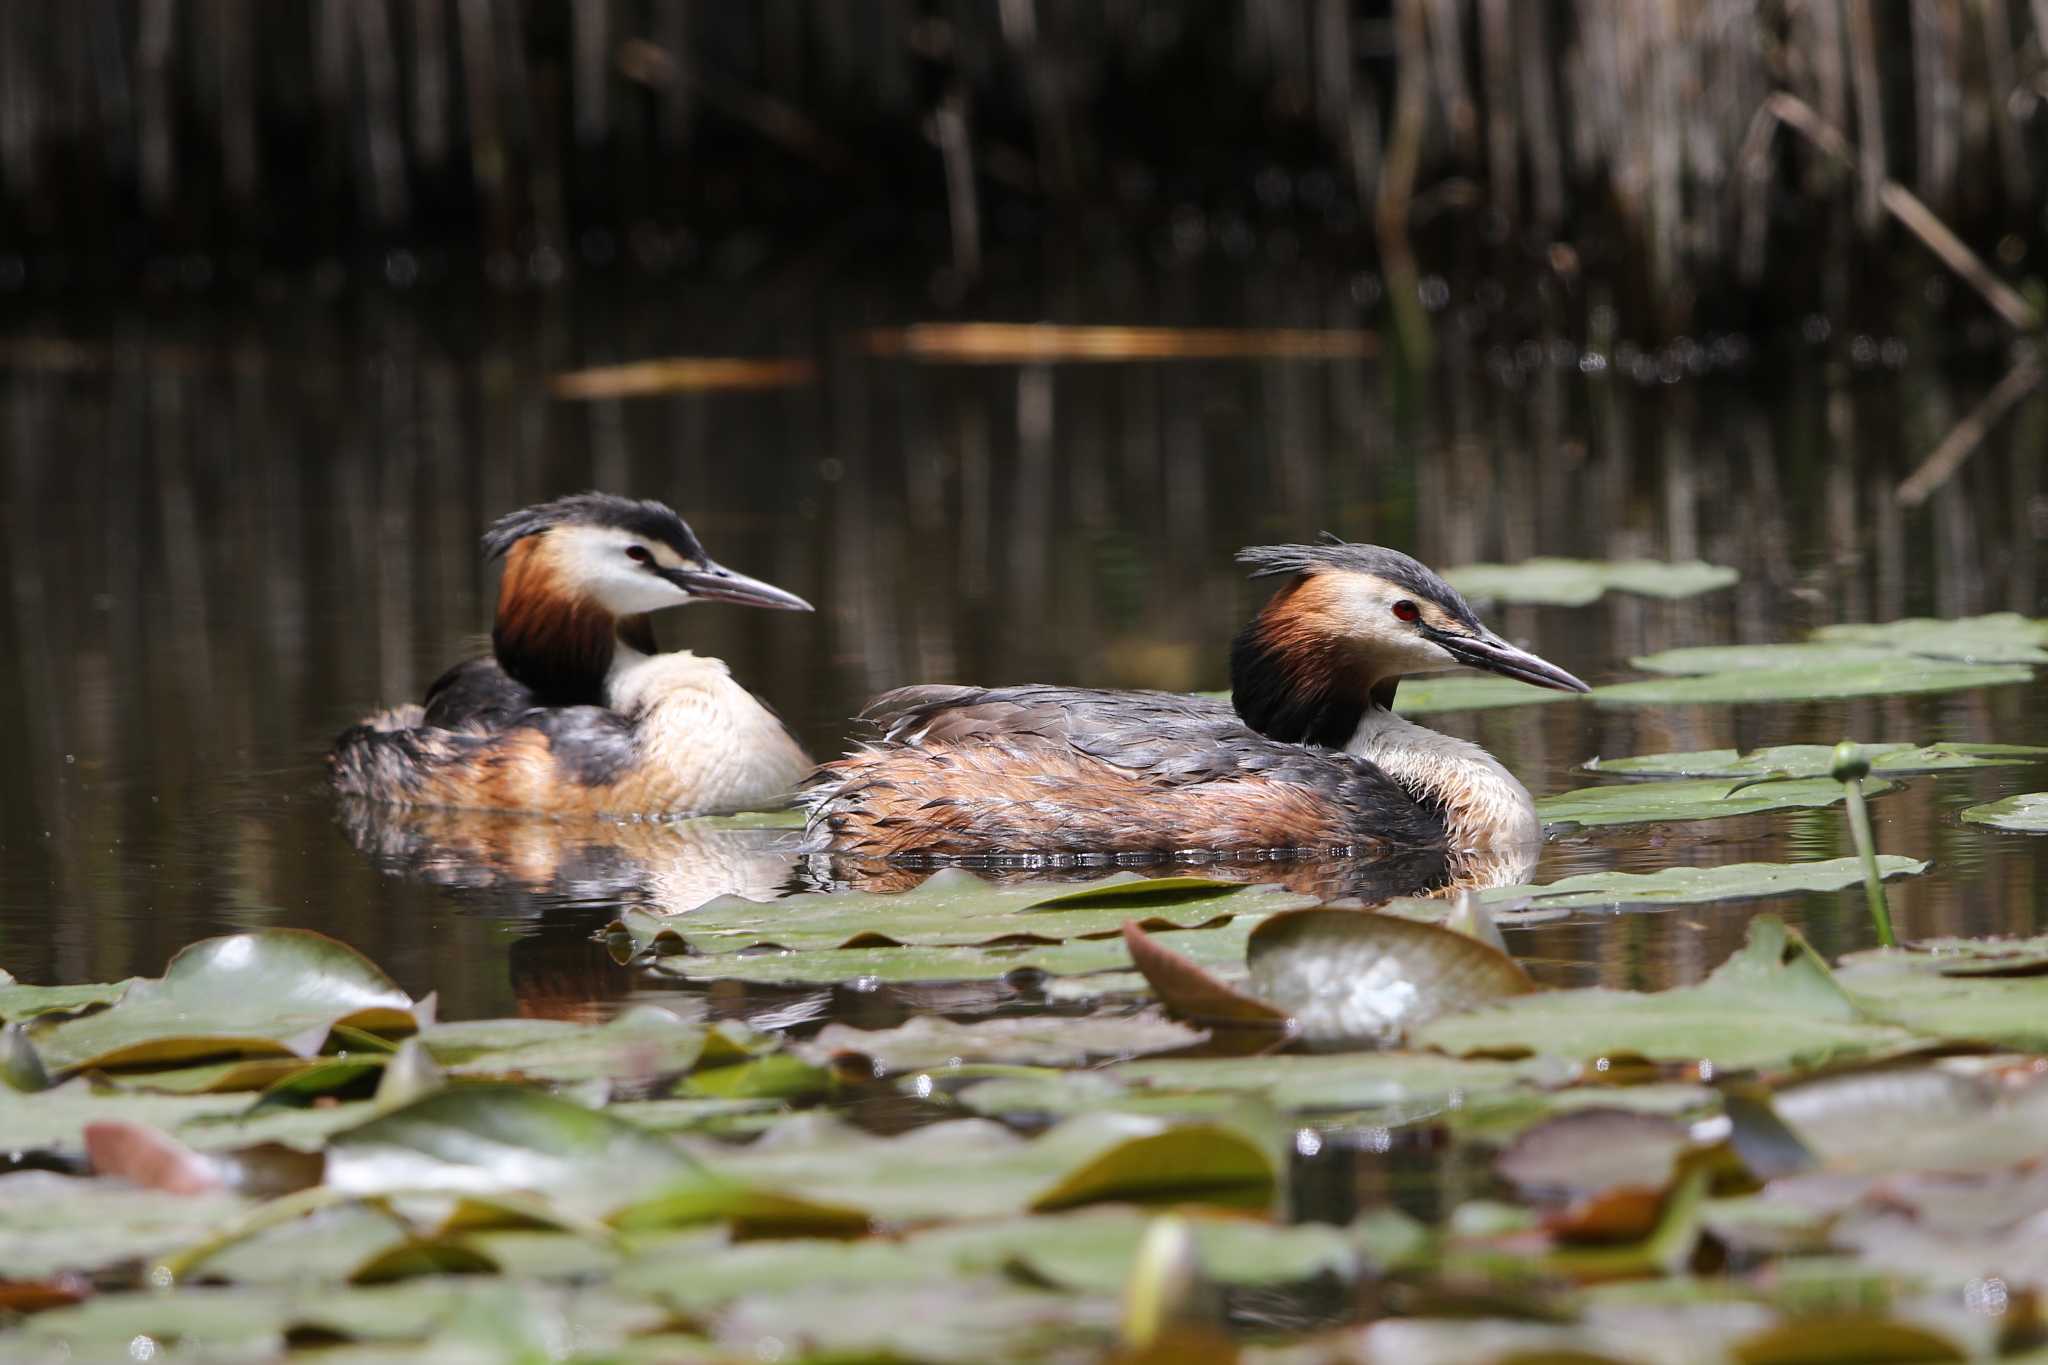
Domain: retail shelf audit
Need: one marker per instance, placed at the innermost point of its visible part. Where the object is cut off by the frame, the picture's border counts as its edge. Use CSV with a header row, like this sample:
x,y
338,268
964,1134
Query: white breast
x,y
1484,805
706,736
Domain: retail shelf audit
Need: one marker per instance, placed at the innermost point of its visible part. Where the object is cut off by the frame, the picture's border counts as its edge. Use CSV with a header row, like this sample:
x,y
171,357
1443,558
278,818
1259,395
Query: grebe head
x,y
1351,621
625,556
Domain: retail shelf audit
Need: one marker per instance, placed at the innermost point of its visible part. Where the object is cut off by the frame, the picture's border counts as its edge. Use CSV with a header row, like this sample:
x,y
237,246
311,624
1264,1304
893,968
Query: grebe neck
x,y
1484,805
561,645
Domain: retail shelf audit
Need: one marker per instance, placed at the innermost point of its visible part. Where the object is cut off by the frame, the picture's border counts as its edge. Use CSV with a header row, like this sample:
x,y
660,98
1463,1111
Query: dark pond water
x,y
224,537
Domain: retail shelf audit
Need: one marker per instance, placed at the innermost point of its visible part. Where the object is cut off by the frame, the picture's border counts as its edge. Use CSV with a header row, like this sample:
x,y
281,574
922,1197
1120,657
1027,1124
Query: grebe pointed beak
x,y
711,582
1488,651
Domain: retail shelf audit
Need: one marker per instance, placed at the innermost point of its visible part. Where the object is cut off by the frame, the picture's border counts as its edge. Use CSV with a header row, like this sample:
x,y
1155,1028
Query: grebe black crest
x,y
1307,756
574,711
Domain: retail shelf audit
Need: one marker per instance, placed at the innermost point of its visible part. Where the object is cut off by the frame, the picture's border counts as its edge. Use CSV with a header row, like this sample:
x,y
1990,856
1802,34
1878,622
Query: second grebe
x,y
574,712
1307,755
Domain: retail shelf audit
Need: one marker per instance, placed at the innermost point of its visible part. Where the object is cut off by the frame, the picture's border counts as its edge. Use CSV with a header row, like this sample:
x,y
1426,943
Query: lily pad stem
x,y
1851,766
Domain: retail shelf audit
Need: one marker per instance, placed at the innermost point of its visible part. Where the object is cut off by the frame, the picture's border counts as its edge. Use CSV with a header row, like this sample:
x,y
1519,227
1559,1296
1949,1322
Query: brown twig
x,y
1915,216
1963,439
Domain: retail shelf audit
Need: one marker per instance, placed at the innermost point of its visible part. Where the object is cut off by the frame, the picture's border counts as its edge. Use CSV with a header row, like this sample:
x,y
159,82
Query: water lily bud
x,y
1850,762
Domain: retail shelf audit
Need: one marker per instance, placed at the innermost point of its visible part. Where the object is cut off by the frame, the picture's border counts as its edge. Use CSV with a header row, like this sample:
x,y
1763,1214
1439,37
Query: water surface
x,y
229,534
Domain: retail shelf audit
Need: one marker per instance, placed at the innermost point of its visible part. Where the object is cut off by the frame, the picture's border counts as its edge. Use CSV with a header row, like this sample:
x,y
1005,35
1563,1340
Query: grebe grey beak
x,y
711,582
1489,652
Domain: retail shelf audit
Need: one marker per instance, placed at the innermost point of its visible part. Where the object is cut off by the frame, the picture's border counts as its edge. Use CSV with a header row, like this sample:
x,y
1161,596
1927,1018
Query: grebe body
x,y
574,713
1307,756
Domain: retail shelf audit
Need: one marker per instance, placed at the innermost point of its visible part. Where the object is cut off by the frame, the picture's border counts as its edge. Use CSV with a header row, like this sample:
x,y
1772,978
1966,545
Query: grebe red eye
x,y
1405,610
639,554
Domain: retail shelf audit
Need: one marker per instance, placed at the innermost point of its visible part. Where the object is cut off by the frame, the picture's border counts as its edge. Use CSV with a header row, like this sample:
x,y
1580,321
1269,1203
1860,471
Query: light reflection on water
x,y
226,538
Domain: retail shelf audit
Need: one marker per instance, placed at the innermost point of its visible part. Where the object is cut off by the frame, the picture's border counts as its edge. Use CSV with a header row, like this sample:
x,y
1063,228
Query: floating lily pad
x,y
1915,990
1415,1083
2026,813
1694,885
952,908
642,1043
932,1041
1817,760
19,1002
1593,1149
1222,945
1085,1250
1575,582
51,1223
54,1120
1637,803
1773,1004
1765,673
1443,692
491,1139
1351,978
2005,637
969,1168
271,991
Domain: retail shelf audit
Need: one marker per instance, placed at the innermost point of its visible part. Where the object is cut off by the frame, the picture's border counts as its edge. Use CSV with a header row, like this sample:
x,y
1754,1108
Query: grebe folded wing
x,y
960,771
477,694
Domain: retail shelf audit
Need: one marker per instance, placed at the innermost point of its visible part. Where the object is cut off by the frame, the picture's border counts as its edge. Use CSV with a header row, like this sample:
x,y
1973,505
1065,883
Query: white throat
x,y
1484,805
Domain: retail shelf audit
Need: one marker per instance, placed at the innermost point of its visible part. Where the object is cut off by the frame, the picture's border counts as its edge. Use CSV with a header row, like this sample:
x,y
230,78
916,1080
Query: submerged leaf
x,y
1817,760
270,991
1636,803
2026,813
1352,978
1693,885
1575,582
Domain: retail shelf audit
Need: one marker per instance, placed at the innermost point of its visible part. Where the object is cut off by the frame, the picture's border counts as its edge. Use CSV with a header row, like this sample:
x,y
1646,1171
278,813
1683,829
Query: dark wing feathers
x,y
1170,737
477,694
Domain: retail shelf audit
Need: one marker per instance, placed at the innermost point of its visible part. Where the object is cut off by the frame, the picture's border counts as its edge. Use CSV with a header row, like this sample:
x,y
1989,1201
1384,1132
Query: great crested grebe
x,y
574,712
1307,755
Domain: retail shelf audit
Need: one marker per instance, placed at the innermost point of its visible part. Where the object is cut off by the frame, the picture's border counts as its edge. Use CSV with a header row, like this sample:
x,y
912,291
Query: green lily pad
x,y
637,1046
345,1242
493,1139
1763,673
1220,946
19,1002
1443,692
1914,990
1636,803
1773,1004
54,1120
1575,582
930,1041
1415,1083
964,1320
1352,978
1694,885
2026,813
53,1223
1817,760
2005,637
1081,1251
267,992
970,1168
951,908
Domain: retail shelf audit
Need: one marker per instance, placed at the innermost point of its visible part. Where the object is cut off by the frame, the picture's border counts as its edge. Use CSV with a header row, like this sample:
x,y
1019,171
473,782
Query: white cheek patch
x,y
593,560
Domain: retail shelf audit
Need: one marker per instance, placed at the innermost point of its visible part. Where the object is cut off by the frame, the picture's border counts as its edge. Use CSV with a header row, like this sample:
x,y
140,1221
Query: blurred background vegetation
x,y
1697,163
